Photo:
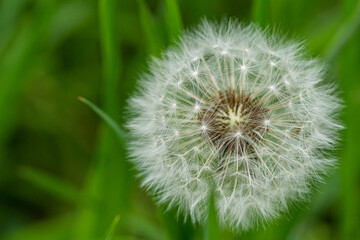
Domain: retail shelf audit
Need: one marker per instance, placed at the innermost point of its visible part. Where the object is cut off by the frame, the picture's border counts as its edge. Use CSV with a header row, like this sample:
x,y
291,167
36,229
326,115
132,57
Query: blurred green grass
x,y
63,172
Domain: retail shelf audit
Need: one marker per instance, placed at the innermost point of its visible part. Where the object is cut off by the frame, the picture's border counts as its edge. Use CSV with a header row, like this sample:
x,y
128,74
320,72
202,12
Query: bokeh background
x,y
63,172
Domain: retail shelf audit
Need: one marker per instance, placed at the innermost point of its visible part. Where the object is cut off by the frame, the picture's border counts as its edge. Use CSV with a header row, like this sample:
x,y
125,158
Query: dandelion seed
x,y
261,149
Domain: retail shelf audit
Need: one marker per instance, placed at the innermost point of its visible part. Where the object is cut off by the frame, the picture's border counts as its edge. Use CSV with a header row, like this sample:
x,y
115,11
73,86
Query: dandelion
x,y
238,110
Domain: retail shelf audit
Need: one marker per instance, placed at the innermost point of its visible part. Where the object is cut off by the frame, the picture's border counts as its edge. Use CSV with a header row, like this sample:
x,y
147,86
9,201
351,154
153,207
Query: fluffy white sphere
x,y
235,109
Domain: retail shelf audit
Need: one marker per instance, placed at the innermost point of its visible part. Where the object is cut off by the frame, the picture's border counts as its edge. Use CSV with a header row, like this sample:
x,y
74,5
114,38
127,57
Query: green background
x,y
63,172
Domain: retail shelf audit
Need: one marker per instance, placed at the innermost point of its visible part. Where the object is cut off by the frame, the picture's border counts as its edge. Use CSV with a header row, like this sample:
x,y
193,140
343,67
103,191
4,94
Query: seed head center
x,y
232,118
234,121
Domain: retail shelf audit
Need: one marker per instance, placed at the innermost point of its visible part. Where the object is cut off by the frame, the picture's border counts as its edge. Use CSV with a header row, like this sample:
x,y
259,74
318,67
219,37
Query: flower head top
x,y
236,108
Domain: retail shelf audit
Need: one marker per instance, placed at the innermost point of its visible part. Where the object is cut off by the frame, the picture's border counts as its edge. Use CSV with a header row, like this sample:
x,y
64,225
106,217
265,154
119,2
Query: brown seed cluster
x,y
234,121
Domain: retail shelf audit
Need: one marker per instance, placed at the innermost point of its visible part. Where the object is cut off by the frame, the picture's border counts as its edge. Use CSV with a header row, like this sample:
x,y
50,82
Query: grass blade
x,y
173,19
152,40
110,233
261,12
343,35
55,229
110,55
145,227
50,183
14,65
108,179
9,15
114,126
348,62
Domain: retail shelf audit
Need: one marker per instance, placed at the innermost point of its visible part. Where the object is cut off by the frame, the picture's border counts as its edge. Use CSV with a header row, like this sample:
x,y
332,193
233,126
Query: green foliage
x,y
49,183
110,233
115,127
260,12
53,51
152,39
109,181
173,20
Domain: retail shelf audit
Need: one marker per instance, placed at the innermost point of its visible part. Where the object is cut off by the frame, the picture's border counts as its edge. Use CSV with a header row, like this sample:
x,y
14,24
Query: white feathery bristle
x,y
235,109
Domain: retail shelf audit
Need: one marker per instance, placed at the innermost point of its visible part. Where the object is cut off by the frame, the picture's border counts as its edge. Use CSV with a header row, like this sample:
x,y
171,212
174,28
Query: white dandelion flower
x,y
234,107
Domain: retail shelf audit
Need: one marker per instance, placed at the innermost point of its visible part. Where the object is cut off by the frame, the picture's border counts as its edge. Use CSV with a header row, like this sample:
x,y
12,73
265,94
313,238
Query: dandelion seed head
x,y
249,116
